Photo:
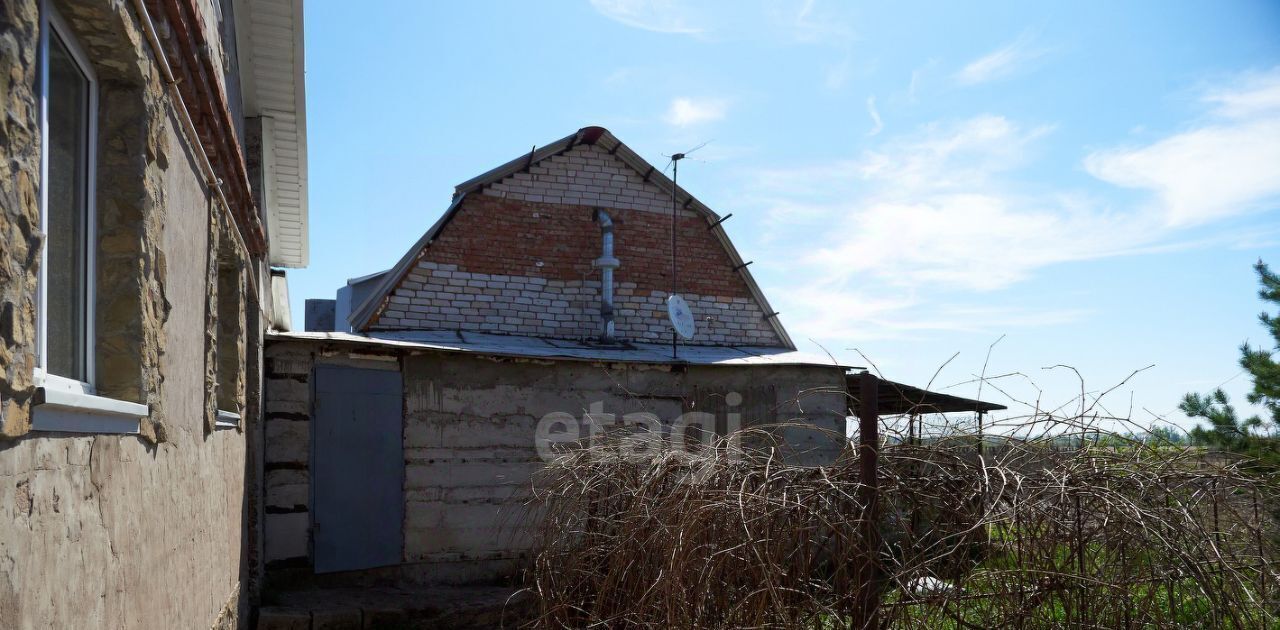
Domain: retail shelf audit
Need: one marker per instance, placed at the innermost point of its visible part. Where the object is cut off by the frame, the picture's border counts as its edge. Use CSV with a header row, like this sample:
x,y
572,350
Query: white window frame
x,y
51,23
62,403
227,420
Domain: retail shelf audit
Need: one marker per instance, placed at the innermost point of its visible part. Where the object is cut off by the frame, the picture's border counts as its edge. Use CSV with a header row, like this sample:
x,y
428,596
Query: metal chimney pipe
x,y
607,263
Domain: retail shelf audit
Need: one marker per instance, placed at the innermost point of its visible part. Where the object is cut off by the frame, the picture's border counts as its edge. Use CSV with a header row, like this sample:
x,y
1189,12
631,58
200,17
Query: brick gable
x,y
516,258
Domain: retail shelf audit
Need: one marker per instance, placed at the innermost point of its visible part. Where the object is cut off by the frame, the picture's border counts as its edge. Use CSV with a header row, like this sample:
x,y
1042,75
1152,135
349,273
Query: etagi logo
x,y
643,435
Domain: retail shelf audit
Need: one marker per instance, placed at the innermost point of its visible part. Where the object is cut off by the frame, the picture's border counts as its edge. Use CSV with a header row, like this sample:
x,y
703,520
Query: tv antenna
x,y
682,324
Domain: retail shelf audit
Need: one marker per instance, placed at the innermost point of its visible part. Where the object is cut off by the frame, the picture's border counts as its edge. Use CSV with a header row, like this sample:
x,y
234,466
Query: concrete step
x,y
442,607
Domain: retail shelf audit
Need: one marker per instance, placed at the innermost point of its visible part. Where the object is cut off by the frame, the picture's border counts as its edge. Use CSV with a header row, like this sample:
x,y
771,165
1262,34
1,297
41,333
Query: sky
x,y
1079,184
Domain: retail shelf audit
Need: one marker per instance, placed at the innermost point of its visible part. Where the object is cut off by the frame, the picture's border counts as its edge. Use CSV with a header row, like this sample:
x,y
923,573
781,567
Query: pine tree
x,y
1226,429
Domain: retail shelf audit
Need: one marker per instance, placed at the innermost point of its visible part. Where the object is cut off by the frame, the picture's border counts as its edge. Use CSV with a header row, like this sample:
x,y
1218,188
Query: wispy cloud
x,y
660,16
834,312
684,112
877,125
1227,165
786,21
1000,63
913,230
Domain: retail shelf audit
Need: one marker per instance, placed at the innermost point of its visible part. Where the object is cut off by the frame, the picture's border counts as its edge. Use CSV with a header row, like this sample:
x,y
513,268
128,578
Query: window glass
x,y
229,361
65,211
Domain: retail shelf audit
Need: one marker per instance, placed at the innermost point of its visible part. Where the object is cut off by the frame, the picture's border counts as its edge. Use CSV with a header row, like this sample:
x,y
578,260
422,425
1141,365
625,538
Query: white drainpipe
x,y
607,263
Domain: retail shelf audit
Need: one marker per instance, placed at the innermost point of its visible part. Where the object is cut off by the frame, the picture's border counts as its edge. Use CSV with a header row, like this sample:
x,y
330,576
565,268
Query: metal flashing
x,y
485,344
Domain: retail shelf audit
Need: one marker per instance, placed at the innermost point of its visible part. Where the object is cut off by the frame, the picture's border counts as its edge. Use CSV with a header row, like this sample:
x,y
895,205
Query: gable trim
x,y
372,306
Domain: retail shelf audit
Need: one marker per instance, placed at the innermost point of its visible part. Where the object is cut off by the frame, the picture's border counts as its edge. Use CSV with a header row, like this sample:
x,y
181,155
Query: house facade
x,y
152,186
519,250
405,426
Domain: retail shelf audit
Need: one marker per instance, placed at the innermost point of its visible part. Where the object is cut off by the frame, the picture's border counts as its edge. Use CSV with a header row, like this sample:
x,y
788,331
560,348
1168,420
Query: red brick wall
x,y
504,236
516,259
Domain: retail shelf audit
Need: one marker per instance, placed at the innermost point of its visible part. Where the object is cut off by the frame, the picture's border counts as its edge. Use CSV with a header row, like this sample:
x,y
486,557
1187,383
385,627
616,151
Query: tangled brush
x,y
961,534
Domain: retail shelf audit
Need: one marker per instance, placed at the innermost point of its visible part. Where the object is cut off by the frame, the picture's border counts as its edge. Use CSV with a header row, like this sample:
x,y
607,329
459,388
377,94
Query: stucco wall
x,y
111,531
114,531
469,438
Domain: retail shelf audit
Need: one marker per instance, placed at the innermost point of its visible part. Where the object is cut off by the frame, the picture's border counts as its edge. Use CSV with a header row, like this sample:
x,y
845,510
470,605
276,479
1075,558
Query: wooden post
x,y
867,606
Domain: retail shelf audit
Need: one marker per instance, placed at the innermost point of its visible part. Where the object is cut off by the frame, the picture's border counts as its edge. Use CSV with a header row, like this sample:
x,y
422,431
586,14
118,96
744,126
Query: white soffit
x,y
272,64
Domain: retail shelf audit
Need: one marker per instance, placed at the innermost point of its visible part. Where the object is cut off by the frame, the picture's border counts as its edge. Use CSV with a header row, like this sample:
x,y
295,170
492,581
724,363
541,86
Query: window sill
x,y
227,420
69,411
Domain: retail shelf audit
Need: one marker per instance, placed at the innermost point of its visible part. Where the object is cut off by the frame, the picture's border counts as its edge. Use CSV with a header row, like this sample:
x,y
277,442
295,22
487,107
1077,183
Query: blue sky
x,y
1091,181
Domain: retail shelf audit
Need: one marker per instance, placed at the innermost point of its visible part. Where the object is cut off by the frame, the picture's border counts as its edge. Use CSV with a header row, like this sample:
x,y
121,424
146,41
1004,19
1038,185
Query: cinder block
x,y
287,488
469,474
287,535
288,441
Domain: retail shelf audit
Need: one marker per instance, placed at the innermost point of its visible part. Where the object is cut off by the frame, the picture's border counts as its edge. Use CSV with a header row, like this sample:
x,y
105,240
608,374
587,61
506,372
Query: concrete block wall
x,y
469,439
517,259
286,454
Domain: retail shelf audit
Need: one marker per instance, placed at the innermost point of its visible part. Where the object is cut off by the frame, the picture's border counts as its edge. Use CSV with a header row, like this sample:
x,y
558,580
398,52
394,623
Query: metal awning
x,y
899,398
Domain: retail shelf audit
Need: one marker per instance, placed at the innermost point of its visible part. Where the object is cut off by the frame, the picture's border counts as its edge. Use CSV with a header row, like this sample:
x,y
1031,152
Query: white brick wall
x,y
585,175
440,297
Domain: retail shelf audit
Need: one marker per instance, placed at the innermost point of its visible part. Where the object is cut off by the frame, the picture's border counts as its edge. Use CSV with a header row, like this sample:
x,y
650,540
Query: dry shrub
x,y
1025,534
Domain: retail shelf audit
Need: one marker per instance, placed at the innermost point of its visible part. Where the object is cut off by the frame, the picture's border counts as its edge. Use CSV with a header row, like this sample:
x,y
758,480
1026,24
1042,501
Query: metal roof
x,y
558,349
598,136
272,64
900,398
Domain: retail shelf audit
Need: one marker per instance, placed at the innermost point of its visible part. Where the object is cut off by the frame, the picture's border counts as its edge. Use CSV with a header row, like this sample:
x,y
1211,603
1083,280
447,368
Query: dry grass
x,y
1126,535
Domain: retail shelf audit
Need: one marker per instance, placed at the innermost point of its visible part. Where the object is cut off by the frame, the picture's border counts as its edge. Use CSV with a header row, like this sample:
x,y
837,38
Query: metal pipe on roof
x,y
607,263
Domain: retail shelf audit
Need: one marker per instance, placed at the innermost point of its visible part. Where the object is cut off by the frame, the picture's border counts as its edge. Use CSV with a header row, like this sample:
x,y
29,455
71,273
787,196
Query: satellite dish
x,y
681,316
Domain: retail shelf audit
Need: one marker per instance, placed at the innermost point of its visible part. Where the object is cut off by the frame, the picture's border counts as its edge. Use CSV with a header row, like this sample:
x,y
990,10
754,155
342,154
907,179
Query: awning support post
x,y
867,605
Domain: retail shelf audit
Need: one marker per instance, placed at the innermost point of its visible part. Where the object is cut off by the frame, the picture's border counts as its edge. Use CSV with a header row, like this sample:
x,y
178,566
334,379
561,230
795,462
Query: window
x,y
230,354
68,99
65,399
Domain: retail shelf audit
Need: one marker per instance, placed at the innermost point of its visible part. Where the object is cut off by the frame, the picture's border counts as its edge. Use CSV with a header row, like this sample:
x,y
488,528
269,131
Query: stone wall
x,y
517,258
101,530
469,438
113,531
19,210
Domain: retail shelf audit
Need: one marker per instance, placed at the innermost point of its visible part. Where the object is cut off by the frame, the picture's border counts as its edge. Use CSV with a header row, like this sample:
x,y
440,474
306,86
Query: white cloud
x,y
787,21
928,214
949,156
824,311
1256,93
877,123
909,235
660,16
685,112
979,241
999,63
1226,166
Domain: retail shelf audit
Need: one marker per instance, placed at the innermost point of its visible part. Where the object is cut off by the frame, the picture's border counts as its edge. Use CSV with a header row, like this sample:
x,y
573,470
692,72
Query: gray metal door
x,y
357,468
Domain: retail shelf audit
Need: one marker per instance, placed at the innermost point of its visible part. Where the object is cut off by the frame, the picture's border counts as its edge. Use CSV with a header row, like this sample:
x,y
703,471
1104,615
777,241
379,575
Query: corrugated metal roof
x,y
272,62
539,348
